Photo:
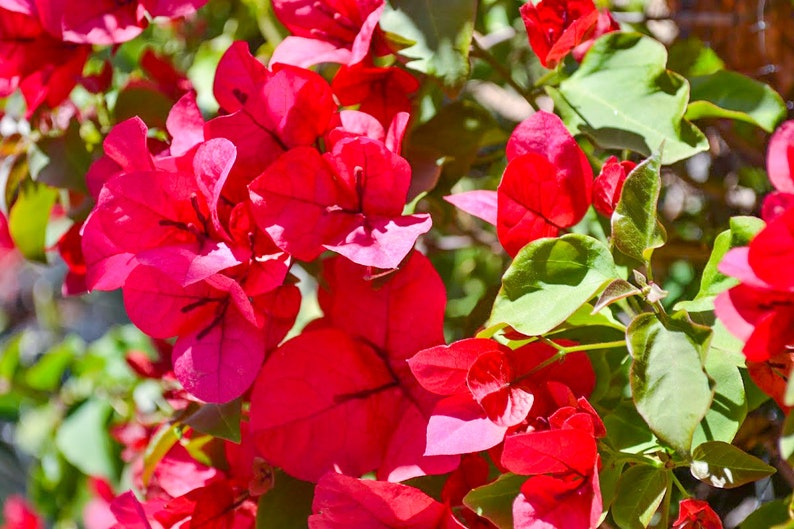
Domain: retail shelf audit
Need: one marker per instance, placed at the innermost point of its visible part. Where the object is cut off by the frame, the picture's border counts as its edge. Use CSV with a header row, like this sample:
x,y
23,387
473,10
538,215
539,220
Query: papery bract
x,y
289,108
696,514
547,183
348,372
37,62
480,203
558,27
549,502
343,502
379,92
337,31
349,200
609,183
19,515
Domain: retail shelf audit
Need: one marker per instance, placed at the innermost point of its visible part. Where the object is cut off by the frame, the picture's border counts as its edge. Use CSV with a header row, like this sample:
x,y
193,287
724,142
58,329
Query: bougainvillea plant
x,y
390,265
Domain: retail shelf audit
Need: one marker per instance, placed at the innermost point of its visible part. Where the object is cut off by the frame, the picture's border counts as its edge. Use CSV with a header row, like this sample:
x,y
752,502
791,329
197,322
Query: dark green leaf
x,y
437,34
218,420
494,501
627,432
549,280
668,382
286,506
28,219
639,493
623,97
691,57
151,105
731,95
616,290
61,161
84,441
453,135
725,466
635,229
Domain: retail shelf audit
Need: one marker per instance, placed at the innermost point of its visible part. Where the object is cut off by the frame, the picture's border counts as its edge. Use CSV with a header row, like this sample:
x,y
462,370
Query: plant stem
x,y
679,486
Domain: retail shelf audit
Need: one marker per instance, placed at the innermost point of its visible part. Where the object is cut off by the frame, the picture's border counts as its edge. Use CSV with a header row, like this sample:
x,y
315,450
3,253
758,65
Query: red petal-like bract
x,y
349,200
129,512
238,76
443,369
696,514
491,380
546,186
338,31
549,502
772,251
208,507
379,92
19,515
558,27
289,108
342,502
609,183
780,158
480,203
347,373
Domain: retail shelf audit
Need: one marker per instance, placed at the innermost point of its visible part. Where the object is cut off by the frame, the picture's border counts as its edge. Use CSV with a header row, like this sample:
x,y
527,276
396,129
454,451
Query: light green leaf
x,y
286,506
725,466
668,382
725,94
84,441
636,231
623,98
639,493
494,501
160,443
47,372
549,280
439,36
729,407
742,230
28,219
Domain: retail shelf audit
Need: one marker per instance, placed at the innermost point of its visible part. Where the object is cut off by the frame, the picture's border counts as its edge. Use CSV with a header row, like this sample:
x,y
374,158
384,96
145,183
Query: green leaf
x,y
668,382
286,506
28,219
627,432
691,57
61,161
725,94
768,515
729,407
742,230
438,35
635,229
47,372
84,441
623,98
218,420
455,135
725,466
639,493
494,501
608,476
549,280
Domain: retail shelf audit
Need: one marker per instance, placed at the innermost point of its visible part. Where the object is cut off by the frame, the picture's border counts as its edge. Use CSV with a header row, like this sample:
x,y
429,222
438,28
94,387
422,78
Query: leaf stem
x,y
478,51
679,486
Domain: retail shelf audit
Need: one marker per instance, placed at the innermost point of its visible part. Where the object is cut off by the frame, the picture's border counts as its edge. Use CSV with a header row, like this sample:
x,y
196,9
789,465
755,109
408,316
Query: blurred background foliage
x,y
64,381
